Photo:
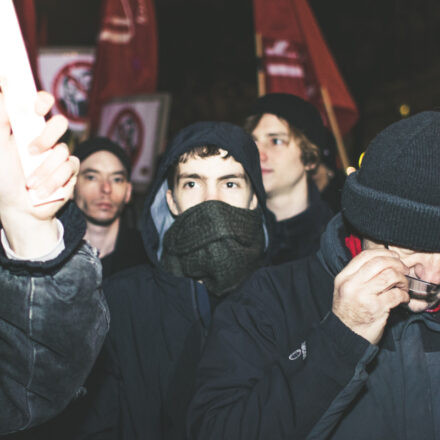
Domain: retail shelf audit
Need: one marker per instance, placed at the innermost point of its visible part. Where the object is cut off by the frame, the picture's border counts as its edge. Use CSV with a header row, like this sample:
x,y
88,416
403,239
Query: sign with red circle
x,y
71,88
127,130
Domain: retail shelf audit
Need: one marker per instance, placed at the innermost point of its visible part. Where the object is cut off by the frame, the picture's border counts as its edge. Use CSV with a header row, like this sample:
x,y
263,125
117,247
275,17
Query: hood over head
x,y
157,217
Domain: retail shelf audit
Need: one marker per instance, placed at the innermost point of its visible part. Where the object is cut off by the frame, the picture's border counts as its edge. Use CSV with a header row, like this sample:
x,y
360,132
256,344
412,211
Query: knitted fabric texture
x,y
395,196
93,145
297,112
216,243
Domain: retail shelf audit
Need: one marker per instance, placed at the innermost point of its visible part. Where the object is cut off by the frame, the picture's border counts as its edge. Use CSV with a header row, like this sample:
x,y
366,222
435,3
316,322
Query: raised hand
x,y
31,230
367,289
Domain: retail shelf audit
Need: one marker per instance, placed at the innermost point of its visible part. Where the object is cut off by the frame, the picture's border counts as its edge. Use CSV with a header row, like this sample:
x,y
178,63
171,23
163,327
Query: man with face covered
x,y
344,344
204,229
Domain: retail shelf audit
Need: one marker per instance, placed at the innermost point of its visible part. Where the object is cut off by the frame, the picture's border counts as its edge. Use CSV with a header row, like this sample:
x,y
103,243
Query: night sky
x,y
387,51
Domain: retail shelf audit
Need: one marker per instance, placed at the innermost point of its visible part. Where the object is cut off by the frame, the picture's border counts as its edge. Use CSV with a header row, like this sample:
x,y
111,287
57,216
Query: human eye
x,y
278,141
189,184
118,179
90,177
232,184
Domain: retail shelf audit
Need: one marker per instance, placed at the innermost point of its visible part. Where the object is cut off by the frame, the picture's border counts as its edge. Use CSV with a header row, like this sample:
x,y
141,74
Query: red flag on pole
x,y
126,59
296,59
27,18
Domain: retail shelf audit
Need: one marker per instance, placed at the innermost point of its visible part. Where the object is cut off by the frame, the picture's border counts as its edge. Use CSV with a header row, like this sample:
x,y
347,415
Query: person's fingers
x,y
5,128
362,259
381,268
63,177
53,130
55,158
392,298
69,187
359,260
388,279
44,103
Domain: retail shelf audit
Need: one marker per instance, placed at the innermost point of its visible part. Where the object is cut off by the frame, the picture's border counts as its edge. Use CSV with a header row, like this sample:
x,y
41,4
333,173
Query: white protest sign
x,y
138,124
67,73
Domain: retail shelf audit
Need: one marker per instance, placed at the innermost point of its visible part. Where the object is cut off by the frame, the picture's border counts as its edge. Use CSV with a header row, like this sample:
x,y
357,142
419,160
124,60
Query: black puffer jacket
x,y
159,321
279,365
299,236
53,319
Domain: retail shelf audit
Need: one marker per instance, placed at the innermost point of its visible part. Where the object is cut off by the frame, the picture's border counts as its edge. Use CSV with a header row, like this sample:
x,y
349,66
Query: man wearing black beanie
x,y
289,134
102,191
344,344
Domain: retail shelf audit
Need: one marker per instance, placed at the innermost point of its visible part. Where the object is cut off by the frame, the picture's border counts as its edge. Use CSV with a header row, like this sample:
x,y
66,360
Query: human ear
x,y
172,206
310,166
254,202
128,193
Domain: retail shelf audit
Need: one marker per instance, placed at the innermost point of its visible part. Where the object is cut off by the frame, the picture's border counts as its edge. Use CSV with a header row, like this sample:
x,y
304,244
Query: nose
x,y
106,187
262,152
428,268
211,194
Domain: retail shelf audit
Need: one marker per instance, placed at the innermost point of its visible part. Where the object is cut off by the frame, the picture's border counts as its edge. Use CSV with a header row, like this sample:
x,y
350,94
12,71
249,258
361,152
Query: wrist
x,y
30,237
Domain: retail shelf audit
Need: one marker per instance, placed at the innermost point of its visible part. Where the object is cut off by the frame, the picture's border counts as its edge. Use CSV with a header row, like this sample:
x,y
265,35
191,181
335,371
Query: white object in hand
x,y
20,93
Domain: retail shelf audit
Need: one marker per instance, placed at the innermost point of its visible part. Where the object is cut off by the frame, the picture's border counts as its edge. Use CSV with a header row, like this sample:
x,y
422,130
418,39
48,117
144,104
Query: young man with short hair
x,y
102,192
344,344
204,229
288,132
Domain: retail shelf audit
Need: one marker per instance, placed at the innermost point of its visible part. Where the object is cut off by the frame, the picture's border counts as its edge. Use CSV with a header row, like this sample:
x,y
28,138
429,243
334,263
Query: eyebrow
x,y
188,176
93,170
198,176
233,176
277,134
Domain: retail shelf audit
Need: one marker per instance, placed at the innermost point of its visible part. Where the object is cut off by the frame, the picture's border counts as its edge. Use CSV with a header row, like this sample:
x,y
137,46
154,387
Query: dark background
x,y
387,51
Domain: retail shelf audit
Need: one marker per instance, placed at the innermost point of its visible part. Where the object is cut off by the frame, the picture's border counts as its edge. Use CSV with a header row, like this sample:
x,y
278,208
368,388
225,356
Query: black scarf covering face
x,y
215,243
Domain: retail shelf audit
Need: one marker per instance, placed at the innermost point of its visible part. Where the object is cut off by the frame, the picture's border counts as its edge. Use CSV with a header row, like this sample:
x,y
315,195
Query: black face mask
x,y
215,243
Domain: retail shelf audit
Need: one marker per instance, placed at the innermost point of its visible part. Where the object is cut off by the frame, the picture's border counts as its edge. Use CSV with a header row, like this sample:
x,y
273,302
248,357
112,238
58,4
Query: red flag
x,y
126,59
296,58
27,18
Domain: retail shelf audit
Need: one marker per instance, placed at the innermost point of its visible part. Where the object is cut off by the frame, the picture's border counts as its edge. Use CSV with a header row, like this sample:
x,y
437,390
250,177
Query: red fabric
x,y
126,59
353,244
296,58
435,310
27,18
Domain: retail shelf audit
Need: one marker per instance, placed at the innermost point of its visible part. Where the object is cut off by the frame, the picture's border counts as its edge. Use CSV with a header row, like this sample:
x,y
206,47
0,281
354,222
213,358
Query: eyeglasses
x,y
419,289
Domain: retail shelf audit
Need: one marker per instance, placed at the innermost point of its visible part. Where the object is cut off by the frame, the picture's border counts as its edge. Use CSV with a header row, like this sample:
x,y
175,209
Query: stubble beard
x,y
102,222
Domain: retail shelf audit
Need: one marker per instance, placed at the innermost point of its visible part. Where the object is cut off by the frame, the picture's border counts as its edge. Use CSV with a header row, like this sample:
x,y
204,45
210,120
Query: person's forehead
x,y
399,249
411,252
211,166
270,123
104,161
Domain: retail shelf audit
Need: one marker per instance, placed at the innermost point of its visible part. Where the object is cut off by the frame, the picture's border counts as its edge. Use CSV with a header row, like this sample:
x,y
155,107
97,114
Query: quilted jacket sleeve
x,y
53,320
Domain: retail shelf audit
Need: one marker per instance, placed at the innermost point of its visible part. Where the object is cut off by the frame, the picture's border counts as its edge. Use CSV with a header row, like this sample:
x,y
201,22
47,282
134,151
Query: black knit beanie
x,y
92,145
297,112
395,196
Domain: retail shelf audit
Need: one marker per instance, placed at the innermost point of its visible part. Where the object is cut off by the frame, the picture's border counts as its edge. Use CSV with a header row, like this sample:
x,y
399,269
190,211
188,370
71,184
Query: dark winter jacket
x,y
299,236
278,364
129,251
159,320
53,319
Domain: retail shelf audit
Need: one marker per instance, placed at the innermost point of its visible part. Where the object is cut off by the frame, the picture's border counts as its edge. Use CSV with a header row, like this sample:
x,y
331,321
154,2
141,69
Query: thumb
x,y
5,128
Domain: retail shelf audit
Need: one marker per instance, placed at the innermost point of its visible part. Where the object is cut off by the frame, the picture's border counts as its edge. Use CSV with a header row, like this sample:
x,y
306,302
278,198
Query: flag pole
x,y
335,128
261,78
